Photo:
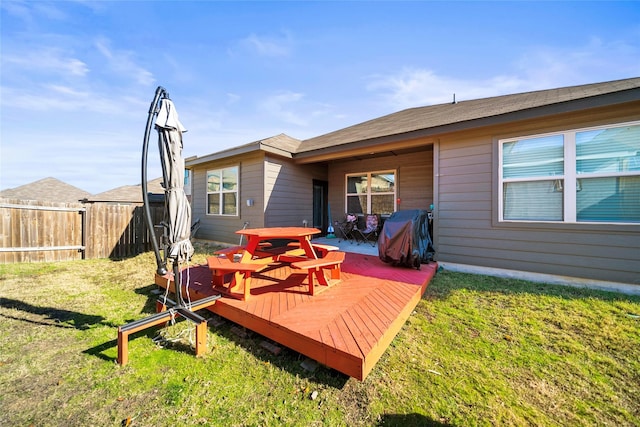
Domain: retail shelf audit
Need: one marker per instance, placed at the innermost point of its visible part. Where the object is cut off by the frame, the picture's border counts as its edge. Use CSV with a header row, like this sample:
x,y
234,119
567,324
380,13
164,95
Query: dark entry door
x,y
320,193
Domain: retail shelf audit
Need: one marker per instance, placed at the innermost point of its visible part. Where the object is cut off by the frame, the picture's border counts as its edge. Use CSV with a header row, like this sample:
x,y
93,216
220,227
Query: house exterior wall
x,y
414,186
280,190
251,186
288,191
466,227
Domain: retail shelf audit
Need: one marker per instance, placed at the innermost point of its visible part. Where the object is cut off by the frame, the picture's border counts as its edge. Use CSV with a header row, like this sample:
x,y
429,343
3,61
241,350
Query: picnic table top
x,y
279,232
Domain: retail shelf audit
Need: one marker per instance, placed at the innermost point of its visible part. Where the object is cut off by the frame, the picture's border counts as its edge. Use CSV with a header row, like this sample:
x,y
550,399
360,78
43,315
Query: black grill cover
x,y
405,239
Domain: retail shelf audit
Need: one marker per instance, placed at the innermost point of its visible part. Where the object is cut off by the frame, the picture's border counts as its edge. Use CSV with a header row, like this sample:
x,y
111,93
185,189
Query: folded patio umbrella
x,y
177,219
178,209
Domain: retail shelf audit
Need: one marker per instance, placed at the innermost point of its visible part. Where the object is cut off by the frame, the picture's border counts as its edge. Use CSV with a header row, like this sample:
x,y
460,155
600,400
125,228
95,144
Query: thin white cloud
x,y
68,91
269,46
122,63
539,68
49,11
284,106
47,60
417,87
59,98
28,11
554,67
233,98
18,10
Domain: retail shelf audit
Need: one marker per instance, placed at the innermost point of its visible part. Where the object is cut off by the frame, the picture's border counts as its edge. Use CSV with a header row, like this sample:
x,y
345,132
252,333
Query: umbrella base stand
x,y
168,310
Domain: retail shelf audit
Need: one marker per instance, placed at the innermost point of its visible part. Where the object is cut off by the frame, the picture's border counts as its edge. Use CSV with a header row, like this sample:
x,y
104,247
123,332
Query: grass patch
x,y
477,351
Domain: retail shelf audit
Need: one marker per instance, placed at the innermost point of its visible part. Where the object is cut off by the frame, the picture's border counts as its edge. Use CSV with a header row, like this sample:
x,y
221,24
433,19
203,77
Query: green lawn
x,y
477,351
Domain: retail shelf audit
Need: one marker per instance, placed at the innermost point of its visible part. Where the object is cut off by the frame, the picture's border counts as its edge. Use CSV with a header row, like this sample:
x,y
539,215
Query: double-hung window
x,y
583,175
371,192
222,191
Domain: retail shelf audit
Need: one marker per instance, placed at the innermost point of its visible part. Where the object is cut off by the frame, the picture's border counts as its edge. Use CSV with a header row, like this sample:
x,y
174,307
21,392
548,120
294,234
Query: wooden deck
x,y
347,327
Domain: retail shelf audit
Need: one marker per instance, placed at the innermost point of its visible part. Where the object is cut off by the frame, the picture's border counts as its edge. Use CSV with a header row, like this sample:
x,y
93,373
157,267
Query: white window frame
x,y
570,176
369,193
222,191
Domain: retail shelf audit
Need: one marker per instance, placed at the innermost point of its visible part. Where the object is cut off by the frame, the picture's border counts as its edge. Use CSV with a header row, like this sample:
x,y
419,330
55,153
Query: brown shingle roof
x,y
281,144
442,115
128,193
46,189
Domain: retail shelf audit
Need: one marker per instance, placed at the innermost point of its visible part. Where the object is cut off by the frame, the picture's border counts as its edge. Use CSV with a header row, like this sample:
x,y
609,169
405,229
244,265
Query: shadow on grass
x,y
287,360
446,282
150,304
408,420
100,351
51,316
148,309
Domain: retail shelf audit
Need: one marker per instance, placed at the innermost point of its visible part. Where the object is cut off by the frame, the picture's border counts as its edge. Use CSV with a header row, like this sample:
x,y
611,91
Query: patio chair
x,y
346,228
370,232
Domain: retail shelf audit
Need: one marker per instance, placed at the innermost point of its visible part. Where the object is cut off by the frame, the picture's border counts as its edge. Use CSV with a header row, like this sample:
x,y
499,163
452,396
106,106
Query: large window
x,y
222,191
371,193
584,175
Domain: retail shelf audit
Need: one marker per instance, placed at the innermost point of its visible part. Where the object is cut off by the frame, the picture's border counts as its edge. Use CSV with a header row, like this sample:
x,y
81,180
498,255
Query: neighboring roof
x,y
47,189
282,145
128,193
473,113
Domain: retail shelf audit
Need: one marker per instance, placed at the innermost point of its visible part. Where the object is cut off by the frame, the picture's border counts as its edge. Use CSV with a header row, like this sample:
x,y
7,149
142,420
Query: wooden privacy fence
x,y
46,231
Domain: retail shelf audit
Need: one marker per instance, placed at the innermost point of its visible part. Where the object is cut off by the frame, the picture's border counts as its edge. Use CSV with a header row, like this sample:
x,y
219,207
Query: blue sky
x,y
77,77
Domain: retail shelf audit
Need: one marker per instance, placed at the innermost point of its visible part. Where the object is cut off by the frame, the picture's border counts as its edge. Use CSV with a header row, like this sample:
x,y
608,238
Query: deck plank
x,y
378,317
350,345
347,327
370,332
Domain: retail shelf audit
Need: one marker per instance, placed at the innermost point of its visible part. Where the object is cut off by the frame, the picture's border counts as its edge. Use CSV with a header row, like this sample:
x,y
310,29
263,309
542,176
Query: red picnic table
x,y
254,259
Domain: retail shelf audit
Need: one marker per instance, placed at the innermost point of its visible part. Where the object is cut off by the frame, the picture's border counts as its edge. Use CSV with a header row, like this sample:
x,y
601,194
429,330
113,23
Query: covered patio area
x,y
364,248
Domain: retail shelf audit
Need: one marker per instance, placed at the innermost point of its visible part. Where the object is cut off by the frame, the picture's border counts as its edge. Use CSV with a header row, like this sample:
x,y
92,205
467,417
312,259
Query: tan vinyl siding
x,y
467,230
415,183
414,180
288,192
222,228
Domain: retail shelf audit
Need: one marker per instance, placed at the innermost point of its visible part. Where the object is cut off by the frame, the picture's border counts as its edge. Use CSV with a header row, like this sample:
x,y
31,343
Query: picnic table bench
x,y
316,268
220,266
230,251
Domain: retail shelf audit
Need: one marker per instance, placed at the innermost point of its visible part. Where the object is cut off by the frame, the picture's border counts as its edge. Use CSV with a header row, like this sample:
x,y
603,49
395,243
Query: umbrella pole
x,y
153,110
177,279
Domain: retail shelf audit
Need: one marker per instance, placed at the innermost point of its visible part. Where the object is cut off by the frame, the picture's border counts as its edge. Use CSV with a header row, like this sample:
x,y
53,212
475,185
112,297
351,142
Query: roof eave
x,y
277,151
236,151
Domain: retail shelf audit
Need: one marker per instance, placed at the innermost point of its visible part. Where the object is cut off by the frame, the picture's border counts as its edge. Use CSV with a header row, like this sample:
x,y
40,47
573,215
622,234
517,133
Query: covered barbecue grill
x,y
405,239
